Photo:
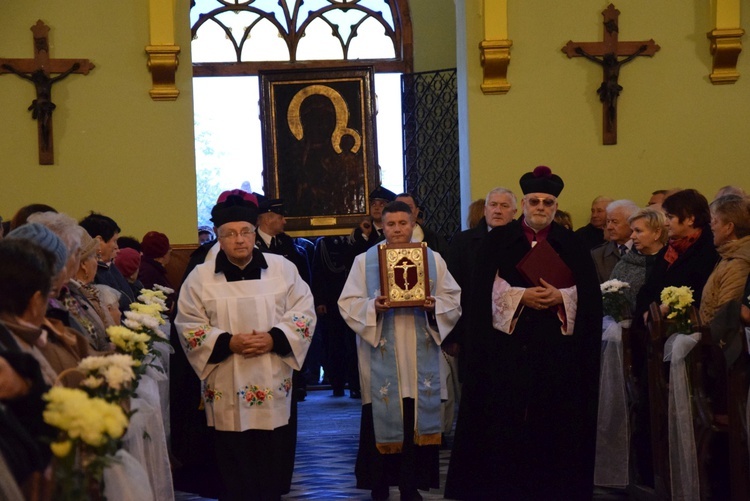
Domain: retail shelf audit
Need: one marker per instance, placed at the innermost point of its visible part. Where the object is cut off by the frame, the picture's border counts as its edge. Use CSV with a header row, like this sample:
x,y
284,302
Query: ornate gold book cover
x,y
404,276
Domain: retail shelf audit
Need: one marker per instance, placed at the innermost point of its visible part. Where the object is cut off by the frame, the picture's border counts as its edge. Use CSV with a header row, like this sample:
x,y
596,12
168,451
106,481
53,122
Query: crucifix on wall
x,y
611,55
39,71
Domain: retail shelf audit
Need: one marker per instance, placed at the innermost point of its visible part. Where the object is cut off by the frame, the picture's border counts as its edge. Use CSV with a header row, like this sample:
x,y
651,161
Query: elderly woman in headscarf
x,y
730,223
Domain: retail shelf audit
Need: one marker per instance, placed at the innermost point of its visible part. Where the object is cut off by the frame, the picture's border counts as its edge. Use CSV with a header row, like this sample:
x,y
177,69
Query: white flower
x,y
165,290
137,321
613,285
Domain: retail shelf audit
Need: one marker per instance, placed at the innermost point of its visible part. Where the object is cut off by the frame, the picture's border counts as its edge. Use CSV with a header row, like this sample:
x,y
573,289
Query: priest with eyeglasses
x,y
526,426
245,321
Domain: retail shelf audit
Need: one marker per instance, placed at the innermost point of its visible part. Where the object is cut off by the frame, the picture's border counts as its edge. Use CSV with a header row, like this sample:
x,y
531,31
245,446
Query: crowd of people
x,y
509,336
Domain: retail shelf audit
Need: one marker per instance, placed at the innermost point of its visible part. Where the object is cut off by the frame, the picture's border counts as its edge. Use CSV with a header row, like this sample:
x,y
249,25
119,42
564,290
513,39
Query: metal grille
x,y
431,170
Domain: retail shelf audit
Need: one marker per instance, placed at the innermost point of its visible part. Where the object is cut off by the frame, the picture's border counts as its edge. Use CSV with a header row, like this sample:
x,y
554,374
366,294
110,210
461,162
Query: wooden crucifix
x,y
607,54
39,71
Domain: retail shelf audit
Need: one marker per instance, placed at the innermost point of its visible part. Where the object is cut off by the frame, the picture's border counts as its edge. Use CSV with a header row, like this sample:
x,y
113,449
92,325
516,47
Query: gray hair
x,y
628,206
108,296
501,191
61,225
734,209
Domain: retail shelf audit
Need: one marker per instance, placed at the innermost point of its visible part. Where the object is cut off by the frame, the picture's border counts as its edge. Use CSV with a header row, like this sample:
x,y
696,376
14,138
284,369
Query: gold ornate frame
x,y
404,274
319,147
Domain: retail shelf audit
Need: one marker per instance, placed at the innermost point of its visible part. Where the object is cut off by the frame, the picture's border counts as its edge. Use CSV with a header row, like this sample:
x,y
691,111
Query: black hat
x,y
541,180
234,208
266,204
383,194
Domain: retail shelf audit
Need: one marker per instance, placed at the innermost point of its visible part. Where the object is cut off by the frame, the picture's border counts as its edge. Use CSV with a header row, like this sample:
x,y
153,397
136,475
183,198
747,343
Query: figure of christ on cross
x,y
38,71
607,54
404,265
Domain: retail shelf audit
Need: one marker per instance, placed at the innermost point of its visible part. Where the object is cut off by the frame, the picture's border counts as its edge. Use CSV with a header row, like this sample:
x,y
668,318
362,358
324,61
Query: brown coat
x,y
728,279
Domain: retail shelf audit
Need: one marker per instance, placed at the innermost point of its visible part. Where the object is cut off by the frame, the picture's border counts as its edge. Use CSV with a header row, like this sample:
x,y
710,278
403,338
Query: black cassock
x,y
527,418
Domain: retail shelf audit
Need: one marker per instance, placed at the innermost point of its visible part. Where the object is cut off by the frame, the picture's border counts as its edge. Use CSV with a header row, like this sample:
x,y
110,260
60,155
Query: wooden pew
x,y
658,394
719,403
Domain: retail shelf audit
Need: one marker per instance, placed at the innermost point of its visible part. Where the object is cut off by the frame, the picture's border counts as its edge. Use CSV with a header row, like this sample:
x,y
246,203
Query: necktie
x,y
623,250
274,244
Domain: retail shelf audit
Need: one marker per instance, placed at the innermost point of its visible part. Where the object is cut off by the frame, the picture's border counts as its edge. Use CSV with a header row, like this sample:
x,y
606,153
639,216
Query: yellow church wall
x,y
117,152
120,153
434,28
675,129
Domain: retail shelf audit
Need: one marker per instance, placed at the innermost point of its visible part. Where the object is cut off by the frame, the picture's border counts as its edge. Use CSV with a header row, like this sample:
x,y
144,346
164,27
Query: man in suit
x,y
608,254
500,208
593,233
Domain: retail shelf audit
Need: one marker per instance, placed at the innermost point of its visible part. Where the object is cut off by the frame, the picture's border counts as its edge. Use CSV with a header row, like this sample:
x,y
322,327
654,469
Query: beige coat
x,y
727,281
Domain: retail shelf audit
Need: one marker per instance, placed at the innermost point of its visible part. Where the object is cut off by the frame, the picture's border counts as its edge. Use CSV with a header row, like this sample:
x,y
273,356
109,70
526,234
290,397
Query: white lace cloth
x,y
146,440
612,430
683,461
125,479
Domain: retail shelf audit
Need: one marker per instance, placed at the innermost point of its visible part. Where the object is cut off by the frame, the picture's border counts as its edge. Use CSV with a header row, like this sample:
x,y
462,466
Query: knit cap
x,y
128,261
154,244
45,238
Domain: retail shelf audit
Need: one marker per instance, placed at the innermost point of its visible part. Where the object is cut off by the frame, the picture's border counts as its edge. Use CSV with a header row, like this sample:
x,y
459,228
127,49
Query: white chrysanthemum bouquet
x,y
614,301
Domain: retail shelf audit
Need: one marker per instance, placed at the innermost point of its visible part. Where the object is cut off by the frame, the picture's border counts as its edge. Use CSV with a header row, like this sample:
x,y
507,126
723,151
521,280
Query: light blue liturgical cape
x,y
385,378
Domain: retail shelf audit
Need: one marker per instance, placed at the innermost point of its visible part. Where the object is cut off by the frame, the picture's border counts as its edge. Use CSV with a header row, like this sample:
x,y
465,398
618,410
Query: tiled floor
x,y
327,440
327,443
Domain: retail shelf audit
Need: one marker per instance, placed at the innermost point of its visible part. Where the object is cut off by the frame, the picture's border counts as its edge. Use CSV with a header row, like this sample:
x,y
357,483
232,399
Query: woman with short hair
x,y
649,235
730,223
690,256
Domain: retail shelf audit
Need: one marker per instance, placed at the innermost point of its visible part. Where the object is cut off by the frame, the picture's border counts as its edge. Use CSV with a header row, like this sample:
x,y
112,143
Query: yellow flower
x,y
93,420
61,449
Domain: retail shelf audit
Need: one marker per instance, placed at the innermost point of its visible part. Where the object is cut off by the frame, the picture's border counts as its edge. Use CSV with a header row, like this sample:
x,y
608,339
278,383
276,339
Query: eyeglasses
x,y
548,202
233,235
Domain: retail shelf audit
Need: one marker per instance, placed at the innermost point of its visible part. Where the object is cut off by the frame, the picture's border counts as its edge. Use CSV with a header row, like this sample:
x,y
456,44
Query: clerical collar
x,y
533,235
234,273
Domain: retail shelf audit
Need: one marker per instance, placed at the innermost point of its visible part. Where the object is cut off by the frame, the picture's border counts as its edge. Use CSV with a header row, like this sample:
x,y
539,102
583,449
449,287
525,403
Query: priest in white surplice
x,y
245,322
399,350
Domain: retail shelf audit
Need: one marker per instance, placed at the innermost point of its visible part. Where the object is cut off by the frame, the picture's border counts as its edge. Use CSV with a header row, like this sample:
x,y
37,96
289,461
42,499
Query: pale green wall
x,y
116,151
434,28
676,129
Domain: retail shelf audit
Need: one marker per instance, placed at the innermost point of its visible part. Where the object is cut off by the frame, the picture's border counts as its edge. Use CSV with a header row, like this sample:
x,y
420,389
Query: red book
x,y
542,261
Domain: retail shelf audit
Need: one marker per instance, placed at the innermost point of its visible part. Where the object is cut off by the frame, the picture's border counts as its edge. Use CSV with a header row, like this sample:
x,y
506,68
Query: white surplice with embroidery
x,y
280,298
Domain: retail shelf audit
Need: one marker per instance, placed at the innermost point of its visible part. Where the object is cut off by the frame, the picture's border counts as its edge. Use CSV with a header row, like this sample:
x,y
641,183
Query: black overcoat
x,y
527,419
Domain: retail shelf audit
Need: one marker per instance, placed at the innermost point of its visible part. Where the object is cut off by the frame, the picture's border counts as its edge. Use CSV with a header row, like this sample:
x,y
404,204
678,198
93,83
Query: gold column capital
x,y
162,63
726,45
495,58
162,50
